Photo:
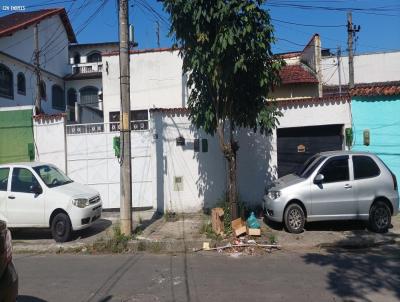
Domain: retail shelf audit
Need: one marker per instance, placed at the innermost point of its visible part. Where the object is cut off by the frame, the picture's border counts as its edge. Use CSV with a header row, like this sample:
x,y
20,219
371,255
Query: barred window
x,y
21,83
139,120
89,96
58,99
6,82
94,57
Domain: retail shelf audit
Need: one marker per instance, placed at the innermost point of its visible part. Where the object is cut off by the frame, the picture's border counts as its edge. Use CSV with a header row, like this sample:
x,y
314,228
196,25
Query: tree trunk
x,y
232,187
230,150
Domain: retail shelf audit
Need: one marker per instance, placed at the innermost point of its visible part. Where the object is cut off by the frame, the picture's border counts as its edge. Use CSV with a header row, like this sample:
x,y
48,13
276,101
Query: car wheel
x,y
61,228
379,217
294,218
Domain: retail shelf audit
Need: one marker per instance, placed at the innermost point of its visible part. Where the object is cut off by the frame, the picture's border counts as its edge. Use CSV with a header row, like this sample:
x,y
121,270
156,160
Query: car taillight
x,y
8,247
394,181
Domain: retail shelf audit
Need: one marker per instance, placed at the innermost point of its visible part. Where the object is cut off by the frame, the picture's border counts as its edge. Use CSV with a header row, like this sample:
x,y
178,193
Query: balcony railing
x,y
87,67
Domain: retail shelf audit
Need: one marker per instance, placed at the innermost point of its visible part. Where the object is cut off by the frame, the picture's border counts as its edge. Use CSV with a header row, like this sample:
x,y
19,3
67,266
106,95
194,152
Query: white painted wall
x,y
368,68
156,80
50,140
157,160
54,58
203,173
30,78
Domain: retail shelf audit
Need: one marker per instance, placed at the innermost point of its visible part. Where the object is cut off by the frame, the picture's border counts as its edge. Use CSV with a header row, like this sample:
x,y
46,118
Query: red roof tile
x,y
376,89
21,20
291,74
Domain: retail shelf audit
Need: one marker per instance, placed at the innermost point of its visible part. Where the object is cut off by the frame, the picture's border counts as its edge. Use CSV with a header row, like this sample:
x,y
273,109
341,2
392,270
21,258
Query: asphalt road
x,y
365,275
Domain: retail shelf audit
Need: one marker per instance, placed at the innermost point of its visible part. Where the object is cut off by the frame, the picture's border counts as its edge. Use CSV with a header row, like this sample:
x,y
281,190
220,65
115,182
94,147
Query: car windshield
x,y
52,176
309,166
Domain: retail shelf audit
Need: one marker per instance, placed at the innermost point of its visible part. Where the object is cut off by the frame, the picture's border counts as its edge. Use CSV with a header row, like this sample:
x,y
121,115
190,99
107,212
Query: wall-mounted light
x,y
180,141
366,137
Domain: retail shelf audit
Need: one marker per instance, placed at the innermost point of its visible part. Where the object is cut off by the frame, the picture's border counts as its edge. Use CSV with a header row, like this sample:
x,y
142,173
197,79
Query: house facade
x,y
376,121
17,47
165,175
378,67
84,84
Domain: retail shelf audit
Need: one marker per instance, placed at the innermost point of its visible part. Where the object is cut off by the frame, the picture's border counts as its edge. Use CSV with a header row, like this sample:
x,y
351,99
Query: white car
x,y
40,195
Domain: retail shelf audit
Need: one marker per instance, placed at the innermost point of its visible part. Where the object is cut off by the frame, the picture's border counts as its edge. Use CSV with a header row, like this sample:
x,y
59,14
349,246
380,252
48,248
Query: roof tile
x,y
376,89
20,20
291,74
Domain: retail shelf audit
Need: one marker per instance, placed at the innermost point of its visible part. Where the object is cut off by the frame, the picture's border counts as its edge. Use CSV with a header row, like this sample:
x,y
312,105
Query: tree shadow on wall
x,y
209,174
254,169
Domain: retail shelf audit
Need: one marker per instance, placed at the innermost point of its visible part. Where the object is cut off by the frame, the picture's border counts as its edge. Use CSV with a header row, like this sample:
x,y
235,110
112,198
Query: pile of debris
x,y
240,243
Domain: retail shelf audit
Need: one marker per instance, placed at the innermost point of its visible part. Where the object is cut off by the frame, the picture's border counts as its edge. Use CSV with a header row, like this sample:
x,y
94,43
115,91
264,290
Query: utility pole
x,y
158,33
351,31
338,55
38,101
125,128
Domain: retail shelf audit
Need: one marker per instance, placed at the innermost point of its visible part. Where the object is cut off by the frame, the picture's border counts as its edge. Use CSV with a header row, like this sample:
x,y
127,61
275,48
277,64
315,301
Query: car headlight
x,y
274,194
80,202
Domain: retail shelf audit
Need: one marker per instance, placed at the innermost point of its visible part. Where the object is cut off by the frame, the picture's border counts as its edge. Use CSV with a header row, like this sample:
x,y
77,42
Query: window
x,y
52,176
89,96
57,97
6,82
42,89
309,166
21,84
336,169
94,57
71,100
77,58
365,167
4,178
23,180
139,120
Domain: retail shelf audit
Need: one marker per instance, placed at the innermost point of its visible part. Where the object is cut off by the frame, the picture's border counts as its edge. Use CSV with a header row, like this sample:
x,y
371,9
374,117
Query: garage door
x,y
296,145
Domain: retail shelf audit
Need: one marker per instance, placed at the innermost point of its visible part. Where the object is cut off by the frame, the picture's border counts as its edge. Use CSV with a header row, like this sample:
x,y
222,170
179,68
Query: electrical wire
x,y
307,25
377,11
83,26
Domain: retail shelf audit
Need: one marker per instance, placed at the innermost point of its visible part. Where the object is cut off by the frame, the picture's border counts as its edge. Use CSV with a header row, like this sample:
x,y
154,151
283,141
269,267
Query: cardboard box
x,y
253,232
238,227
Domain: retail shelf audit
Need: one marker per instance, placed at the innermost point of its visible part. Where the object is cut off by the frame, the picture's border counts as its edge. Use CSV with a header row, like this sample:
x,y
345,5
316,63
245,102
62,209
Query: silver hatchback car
x,y
337,185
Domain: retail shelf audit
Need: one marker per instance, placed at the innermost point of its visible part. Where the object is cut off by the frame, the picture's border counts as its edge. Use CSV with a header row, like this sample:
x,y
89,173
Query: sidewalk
x,y
183,233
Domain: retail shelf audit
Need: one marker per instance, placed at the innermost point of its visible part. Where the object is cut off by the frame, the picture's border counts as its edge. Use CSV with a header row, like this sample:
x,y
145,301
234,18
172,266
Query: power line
x,y
379,11
307,25
83,26
336,40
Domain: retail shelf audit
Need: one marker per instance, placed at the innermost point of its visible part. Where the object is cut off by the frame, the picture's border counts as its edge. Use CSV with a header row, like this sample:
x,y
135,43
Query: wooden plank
x,y
217,220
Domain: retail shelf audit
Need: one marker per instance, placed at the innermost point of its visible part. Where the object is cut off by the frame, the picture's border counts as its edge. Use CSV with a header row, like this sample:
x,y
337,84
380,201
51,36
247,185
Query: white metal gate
x,y
91,161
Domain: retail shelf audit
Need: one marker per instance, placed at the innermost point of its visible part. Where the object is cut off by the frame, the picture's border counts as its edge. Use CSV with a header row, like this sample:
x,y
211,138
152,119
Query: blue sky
x,y
96,21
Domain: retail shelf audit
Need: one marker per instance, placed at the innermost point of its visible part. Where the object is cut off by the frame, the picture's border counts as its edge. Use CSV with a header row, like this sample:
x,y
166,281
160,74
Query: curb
x,y
165,246
181,246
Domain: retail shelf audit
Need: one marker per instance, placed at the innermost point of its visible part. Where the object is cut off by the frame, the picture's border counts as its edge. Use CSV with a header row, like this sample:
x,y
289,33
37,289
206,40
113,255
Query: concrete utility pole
x,y
38,101
351,30
338,55
125,132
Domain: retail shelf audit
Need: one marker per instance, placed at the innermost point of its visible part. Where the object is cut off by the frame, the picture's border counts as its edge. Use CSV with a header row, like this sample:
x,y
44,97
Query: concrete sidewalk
x,y
184,233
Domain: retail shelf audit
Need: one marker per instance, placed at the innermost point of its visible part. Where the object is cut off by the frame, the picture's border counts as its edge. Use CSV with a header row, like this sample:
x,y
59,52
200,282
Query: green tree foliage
x,y
226,51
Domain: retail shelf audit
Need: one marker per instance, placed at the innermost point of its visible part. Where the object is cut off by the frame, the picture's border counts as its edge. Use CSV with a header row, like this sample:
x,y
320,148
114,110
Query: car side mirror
x,y
319,179
36,189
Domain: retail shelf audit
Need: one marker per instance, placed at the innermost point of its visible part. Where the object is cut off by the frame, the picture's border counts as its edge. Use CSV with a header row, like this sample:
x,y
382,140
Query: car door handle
x,y
347,186
11,197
